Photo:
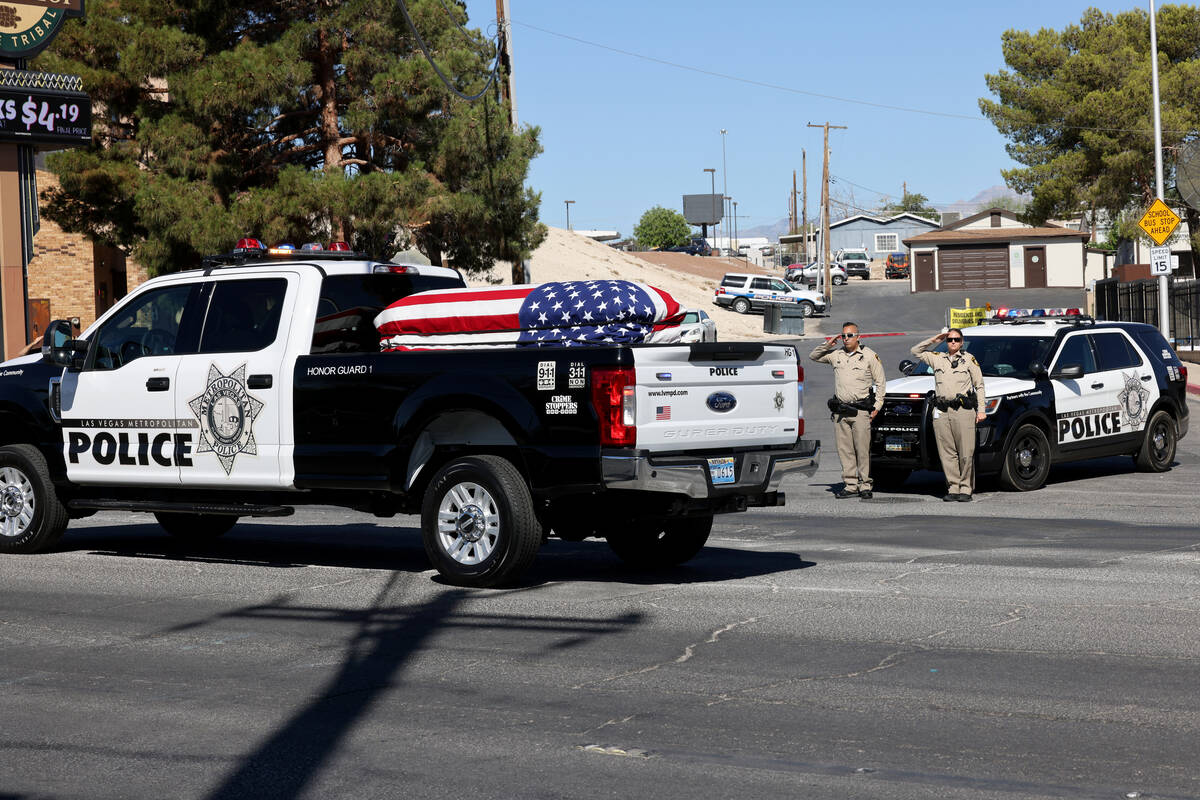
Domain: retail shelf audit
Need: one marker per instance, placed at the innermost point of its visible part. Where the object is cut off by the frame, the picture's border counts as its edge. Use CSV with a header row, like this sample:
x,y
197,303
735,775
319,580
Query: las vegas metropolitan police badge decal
x,y
226,412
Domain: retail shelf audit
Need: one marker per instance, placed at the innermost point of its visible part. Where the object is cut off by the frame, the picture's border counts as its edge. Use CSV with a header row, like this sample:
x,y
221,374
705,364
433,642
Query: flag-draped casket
x,y
556,314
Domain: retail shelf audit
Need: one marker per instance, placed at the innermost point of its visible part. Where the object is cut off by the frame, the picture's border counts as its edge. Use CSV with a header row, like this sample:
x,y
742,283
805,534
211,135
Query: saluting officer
x,y
858,386
958,402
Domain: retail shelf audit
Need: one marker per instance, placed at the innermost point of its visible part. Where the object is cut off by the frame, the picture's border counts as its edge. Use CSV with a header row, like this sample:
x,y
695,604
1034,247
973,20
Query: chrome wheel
x,y
17,503
468,523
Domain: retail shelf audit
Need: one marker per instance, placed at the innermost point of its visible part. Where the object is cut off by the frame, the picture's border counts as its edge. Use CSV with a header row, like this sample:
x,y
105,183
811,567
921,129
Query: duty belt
x,y
967,400
850,409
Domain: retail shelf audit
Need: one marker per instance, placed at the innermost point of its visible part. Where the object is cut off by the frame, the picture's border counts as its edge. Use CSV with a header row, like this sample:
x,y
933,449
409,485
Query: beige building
x,y
994,250
70,276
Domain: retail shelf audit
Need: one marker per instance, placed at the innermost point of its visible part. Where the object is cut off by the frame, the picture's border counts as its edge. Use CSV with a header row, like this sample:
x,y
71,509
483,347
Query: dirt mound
x,y
567,256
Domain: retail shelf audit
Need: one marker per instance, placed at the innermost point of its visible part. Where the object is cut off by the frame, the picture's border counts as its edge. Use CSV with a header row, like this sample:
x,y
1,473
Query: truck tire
x,y
741,305
1158,449
195,527
663,543
31,517
478,522
1026,461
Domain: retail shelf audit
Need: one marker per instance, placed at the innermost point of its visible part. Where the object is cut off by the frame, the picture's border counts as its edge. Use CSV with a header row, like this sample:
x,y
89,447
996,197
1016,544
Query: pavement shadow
x,y
386,634
399,549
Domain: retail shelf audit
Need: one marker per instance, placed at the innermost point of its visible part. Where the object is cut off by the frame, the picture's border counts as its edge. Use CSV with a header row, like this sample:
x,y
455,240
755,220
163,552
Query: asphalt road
x,y
1023,646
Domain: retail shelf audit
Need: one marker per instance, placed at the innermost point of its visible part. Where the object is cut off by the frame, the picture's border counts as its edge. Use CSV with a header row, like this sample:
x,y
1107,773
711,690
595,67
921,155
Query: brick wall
x,y
79,278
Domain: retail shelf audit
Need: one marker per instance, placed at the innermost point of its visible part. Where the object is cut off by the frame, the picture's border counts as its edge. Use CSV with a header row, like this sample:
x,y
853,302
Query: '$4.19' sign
x,y
41,114
49,116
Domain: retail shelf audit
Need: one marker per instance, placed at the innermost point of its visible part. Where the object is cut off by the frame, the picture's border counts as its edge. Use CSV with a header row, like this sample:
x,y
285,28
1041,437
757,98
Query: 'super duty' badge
x,y
226,412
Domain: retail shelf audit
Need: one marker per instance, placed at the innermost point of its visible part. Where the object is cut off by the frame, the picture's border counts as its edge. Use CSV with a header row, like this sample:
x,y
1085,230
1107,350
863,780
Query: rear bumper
x,y
756,471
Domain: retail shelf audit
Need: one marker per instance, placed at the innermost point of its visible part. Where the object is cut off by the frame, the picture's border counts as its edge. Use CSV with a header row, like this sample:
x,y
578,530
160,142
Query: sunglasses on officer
x,y
849,335
954,339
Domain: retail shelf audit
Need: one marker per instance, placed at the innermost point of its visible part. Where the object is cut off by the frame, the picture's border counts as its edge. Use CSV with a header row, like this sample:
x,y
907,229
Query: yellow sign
x,y
1159,222
966,317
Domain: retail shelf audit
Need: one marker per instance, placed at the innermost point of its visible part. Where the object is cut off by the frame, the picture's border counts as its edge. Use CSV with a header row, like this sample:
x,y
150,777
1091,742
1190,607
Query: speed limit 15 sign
x,y
1160,261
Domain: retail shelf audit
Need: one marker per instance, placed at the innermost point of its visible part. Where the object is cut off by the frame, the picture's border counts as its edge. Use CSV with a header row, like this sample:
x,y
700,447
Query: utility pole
x,y
792,205
567,203
825,208
903,192
804,205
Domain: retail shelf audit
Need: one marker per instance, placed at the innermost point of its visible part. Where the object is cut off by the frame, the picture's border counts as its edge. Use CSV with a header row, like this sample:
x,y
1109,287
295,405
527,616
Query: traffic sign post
x,y
1159,222
1160,261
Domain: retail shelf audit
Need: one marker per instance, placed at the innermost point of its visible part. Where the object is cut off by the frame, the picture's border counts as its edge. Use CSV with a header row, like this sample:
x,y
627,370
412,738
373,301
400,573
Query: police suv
x,y
254,385
744,293
1060,387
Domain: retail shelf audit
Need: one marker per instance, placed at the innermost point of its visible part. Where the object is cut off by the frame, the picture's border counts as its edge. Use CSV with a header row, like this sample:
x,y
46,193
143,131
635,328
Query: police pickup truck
x,y
1059,388
246,389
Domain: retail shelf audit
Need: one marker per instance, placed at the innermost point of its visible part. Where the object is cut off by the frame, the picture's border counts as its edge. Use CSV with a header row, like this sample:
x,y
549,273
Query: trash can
x,y
783,319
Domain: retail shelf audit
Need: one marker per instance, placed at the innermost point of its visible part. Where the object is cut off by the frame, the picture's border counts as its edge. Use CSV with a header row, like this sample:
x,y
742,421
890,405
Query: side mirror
x,y
1038,370
60,348
906,366
1070,372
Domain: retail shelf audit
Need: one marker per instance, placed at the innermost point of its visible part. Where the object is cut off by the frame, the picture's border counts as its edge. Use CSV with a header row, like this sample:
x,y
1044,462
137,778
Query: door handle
x,y
1097,385
259,382
158,384
1147,377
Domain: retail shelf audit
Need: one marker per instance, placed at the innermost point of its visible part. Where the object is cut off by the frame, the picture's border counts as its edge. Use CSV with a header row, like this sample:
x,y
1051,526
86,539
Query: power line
x,y
432,63
793,90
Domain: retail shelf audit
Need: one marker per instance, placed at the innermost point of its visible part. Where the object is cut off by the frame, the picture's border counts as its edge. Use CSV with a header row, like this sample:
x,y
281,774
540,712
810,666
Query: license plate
x,y
894,444
721,470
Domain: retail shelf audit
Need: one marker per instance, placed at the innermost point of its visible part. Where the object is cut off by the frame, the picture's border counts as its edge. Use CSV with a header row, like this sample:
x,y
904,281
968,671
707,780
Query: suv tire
x,y
1027,460
1157,452
807,309
741,305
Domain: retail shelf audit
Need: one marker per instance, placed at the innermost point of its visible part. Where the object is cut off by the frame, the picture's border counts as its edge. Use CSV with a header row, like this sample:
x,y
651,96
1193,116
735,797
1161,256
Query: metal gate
x,y
1137,301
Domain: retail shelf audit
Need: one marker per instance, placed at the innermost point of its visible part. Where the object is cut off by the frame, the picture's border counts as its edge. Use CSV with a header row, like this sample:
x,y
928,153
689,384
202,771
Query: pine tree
x,y
310,120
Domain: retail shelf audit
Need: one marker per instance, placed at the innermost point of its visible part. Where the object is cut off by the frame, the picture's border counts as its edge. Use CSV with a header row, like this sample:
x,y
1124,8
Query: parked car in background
x,y
896,266
696,247
744,292
810,275
697,326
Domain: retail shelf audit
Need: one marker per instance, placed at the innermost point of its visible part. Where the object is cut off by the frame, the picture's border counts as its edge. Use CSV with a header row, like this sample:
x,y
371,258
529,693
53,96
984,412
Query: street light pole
x,y
712,174
1164,292
567,203
725,182
736,249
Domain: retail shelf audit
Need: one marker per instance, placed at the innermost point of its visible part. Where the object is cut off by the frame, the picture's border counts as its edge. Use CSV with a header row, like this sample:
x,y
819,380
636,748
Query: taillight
x,y
1183,373
614,394
800,400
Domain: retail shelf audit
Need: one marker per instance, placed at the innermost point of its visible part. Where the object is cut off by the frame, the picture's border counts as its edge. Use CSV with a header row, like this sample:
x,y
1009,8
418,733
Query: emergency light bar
x,y
1019,313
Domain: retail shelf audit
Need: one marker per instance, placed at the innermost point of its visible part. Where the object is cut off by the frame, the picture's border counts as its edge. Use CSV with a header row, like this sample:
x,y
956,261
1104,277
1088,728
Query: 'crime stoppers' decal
x,y
226,412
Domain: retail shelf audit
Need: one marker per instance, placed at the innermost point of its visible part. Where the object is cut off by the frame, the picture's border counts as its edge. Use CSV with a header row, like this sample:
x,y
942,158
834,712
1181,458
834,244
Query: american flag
x,y
662,412
557,314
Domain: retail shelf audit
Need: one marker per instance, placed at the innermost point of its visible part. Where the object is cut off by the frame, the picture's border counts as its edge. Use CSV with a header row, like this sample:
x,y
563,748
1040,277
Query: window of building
x,y
886,242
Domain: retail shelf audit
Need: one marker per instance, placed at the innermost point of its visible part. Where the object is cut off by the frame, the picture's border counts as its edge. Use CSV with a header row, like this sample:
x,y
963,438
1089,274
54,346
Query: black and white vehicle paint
x,y
1058,390
246,389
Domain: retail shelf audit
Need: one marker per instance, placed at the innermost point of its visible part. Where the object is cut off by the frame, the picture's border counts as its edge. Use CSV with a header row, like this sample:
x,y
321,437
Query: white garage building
x,y
994,250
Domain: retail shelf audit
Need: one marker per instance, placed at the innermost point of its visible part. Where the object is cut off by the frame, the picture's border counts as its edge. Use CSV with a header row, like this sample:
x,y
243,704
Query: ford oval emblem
x,y
721,401
902,408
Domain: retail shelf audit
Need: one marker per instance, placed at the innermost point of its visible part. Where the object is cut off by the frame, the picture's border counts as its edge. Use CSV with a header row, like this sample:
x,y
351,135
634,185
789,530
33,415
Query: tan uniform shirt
x,y
953,375
854,373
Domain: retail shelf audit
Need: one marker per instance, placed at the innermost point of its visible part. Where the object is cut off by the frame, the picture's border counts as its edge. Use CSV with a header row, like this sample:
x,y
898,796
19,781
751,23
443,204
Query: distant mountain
x,y
964,208
968,207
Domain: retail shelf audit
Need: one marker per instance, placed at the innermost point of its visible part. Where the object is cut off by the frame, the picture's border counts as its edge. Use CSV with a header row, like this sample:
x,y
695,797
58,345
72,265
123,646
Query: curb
x,y
1193,389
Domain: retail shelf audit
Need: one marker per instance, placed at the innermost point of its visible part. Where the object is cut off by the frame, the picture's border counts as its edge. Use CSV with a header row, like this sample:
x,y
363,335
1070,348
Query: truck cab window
x,y
149,325
349,304
243,315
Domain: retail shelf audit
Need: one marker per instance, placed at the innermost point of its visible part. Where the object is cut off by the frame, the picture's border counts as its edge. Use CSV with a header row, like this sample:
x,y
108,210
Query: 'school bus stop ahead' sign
x,y
27,26
1159,222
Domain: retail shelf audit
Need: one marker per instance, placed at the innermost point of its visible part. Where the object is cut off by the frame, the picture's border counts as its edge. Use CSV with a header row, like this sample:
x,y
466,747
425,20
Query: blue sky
x,y
622,134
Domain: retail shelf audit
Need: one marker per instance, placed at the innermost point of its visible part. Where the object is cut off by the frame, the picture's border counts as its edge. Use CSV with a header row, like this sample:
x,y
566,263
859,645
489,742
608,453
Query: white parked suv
x,y
744,293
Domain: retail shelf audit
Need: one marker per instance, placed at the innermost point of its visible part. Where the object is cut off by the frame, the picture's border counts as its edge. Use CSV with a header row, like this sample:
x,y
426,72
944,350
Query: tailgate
x,y
717,395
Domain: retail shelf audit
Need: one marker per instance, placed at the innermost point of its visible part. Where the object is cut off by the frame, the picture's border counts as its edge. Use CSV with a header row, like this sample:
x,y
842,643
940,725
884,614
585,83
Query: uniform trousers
x,y
853,437
954,431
